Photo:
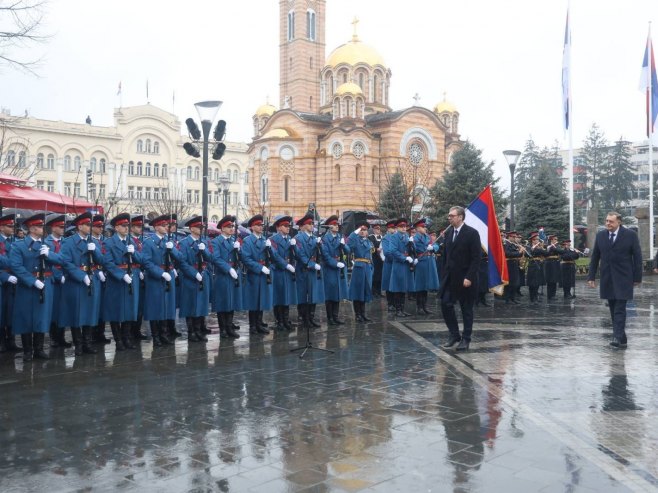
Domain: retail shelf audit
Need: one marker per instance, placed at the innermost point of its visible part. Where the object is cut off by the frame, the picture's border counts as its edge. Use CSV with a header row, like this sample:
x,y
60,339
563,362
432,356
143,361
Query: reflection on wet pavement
x,y
540,403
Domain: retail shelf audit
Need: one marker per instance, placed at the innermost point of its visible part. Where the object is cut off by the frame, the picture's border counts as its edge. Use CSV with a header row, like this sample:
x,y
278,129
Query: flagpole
x,y
570,124
650,134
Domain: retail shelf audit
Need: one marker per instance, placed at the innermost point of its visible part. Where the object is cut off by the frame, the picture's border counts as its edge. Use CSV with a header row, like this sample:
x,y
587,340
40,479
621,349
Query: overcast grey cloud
x,y
498,61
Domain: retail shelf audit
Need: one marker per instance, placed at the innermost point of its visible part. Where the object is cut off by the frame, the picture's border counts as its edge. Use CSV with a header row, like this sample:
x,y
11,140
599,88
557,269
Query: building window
x,y
361,80
40,160
310,25
358,149
77,163
196,196
235,198
102,165
263,188
138,193
374,175
131,168
246,177
189,173
291,26
22,161
286,189
197,173
147,193
102,191
246,199
214,218
50,161
67,189
11,158
337,150
40,184
156,170
235,176
147,147
76,189
156,147
148,169
92,164
164,170
416,153
338,172
357,172
140,168
140,146
67,163
51,186
156,194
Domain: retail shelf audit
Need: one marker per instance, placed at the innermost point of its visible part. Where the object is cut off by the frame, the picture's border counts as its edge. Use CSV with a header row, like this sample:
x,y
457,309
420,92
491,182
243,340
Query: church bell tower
x,y
301,53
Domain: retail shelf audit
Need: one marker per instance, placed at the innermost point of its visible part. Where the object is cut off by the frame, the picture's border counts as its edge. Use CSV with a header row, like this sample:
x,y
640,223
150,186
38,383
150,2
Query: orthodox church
x,y
335,141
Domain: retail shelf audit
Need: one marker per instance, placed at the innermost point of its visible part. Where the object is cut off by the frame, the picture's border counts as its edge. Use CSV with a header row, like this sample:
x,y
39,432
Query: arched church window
x,y
416,153
148,146
361,80
310,103
291,25
310,25
263,188
358,149
357,173
140,146
337,150
286,189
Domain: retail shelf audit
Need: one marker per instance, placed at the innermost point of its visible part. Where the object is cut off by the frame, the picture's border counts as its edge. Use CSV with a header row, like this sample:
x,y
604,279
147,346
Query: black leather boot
x,y
253,324
115,327
26,339
86,341
279,317
336,309
52,333
198,329
311,315
357,311
204,328
76,334
329,307
39,339
154,333
286,318
221,322
171,331
260,326
61,338
230,326
101,334
191,330
136,331
126,338
163,327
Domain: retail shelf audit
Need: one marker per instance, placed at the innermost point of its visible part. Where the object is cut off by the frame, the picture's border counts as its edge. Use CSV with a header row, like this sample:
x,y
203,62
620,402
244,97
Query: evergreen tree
x,y
545,203
394,200
526,169
467,176
616,176
594,160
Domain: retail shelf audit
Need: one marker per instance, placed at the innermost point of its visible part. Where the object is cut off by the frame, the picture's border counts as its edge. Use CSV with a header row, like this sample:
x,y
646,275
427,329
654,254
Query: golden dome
x,y
349,88
265,110
276,133
445,107
354,52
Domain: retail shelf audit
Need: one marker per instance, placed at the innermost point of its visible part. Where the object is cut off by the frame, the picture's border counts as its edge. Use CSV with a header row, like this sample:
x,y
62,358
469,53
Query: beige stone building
x,y
335,141
137,165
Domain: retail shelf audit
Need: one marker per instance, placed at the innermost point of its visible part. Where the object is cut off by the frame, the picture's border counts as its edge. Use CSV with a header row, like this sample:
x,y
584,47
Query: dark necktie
x,y
454,238
612,238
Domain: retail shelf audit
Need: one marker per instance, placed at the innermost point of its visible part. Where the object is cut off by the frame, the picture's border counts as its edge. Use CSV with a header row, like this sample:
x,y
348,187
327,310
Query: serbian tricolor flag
x,y
649,84
481,215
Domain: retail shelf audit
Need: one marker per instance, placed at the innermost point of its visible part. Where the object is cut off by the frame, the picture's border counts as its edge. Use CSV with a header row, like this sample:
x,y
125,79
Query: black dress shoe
x,y
463,345
400,313
615,342
452,341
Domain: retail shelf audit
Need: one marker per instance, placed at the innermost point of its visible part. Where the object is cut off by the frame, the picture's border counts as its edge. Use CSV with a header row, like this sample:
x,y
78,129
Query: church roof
x,y
314,117
354,52
382,117
265,110
348,88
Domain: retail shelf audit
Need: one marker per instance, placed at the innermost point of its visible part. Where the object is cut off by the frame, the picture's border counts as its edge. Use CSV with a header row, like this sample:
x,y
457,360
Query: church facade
x,y
335,141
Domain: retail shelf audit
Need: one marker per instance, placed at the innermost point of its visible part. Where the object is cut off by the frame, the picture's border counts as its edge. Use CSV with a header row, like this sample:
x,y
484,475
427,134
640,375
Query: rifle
x,y
342,257
199,261
412,254
90,264
292,261
168,256
237,262
129,270
268,255
42,265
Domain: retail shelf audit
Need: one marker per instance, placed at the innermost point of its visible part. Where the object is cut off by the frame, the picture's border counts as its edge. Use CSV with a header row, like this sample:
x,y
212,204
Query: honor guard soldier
x,y
426,277
310,287
9,281
377,262
257,289
227,289
552,270
97,230
137,239
122,285
360,291
195,280
388,264
172,230
569,256
334,274
535,275
30,261
284,275
158,256
514,252
402,270
56,223
82,260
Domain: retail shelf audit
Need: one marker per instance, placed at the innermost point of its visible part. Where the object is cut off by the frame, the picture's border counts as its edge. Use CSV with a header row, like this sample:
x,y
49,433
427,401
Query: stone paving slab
x,y
539,404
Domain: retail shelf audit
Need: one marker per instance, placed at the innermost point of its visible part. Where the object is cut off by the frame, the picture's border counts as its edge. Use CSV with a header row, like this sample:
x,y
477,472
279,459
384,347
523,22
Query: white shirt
x,y
615,232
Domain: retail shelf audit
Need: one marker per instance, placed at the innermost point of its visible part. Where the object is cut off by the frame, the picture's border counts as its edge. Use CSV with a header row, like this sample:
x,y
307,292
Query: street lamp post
x,y
512,157
222,186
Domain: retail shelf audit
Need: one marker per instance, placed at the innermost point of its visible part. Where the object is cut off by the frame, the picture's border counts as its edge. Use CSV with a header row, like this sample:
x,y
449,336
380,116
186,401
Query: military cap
x,y
283,221
421,222
307,219
226,221
331,221
160,220
55,220
137,219
552,237
84,218
532,235
195,222
390,224
363,224
98,220
401,222
120,219
256,220
8,219
37,219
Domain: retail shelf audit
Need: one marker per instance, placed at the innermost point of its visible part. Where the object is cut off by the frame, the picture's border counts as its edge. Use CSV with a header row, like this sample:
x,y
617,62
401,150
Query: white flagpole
x,y
570,126
650,132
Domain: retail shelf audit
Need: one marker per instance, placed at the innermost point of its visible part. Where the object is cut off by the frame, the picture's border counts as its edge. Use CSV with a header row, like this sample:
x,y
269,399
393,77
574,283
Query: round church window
x,y
416,153
286,153
337,150
358,150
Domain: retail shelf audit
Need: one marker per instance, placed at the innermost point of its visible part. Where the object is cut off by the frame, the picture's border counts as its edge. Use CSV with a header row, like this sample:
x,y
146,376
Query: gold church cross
x,y
355,36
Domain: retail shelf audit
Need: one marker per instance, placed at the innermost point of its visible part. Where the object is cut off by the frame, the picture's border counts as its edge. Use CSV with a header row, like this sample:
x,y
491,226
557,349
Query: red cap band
x,y
257,223
57,224
7,222
98,223
308,221
161,222
333,222
138,223
284,223
35,222
196,225
226,223
121,222
83,221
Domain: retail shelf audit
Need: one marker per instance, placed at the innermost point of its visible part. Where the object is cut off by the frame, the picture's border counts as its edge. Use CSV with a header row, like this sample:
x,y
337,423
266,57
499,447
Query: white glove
x,y
233,274
101,276
236,245
169,245
63,280
411,239
141,276
12,279
293,241
382,256
39,285
127,279
290,268
173,271
318,267
130,248
342,241
318,239
199,277
268,243
91,247
44,250
409,259
415,261
202,247
340,265
265,271
430,248
166,276
87,281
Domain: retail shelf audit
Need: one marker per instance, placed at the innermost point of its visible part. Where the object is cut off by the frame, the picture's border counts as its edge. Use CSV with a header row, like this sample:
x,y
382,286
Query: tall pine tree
x,y
467,176
594,157
616,176
545,203
394,200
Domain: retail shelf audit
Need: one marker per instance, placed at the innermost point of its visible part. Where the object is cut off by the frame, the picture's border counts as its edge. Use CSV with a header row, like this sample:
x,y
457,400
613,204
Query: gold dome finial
x,y
355,36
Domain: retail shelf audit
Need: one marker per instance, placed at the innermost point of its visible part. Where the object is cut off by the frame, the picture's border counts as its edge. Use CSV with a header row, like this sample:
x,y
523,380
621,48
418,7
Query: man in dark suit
x,y
459,275
618,250
377,262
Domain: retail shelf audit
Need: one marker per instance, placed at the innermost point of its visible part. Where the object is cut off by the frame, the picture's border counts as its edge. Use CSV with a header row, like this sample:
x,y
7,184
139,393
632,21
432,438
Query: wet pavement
x,y
539,404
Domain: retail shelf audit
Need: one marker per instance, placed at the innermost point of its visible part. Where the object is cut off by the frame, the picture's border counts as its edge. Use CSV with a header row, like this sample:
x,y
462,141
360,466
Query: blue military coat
x,y
8,289
120,305
388,260
285,288
78,307
426,276
4,267
257,295
402,278
335,284
310,289
159,295
58,274
137,241
194,296
226,292
361,281
30,314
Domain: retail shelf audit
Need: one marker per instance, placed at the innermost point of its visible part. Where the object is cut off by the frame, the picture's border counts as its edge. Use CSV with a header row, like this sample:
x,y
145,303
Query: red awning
x,y
40,200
